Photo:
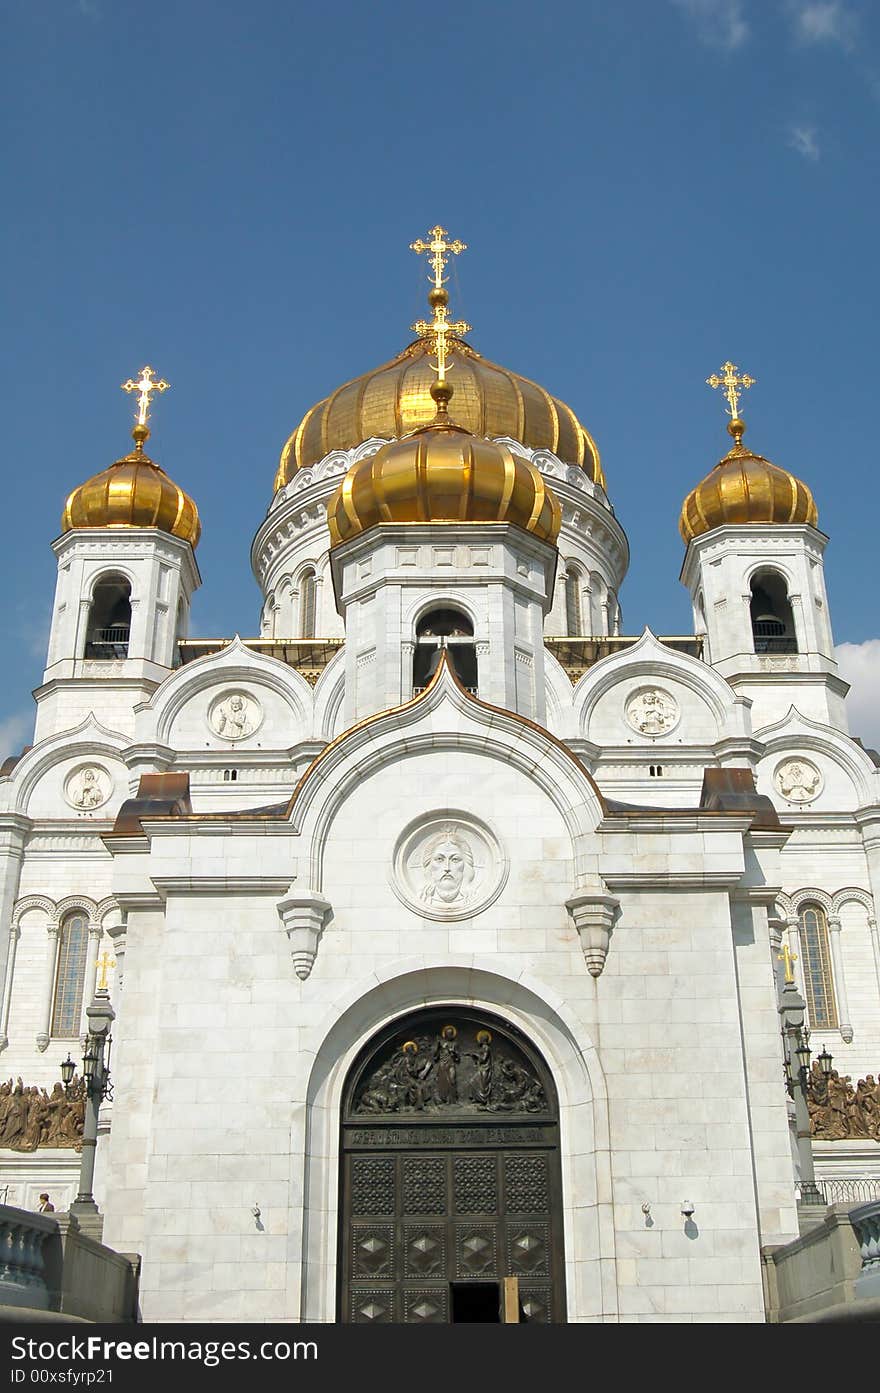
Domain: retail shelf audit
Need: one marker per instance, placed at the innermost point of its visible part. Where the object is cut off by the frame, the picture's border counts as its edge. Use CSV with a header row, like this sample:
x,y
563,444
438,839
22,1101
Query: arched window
x,y
449,629
573,621
109,619
772,618
598,606
307,593
70,976
818,982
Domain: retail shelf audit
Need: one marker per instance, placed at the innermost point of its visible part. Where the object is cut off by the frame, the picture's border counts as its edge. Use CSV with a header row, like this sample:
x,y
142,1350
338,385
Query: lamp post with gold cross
x,y
796,1056
96,1087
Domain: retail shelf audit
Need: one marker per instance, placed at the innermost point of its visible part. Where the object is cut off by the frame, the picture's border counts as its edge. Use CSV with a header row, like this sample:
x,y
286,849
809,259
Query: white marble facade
x,y
353,854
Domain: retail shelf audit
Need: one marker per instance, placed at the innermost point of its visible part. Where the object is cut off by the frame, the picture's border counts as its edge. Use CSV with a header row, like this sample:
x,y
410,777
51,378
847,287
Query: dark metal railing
x,y
576,655
108,643
769,644
308,655
842,1190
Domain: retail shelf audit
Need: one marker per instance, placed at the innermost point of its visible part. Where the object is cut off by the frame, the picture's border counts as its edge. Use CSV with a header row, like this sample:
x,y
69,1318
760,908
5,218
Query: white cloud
x,y
14,731
859,664
805,140
823,22
719,23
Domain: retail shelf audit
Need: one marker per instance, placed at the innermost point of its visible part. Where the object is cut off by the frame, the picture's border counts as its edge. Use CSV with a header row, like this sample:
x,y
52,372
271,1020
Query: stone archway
x,y
450,1174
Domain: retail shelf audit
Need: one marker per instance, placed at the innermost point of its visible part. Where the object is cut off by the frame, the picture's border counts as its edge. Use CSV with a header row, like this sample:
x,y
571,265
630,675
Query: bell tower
x,y
126,576
443,539
754,569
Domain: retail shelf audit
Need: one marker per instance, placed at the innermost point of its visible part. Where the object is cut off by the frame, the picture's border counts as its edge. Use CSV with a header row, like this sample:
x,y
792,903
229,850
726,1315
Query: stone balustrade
x,y
47,1263
23,1237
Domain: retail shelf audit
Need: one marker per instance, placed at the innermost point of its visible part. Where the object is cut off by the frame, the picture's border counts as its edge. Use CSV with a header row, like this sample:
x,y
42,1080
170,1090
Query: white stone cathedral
x,y
444,924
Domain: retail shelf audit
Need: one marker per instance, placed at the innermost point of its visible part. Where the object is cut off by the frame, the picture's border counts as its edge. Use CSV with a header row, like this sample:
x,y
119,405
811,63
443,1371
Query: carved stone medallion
x,y
88,787
235,715
651,711
798,780
448,866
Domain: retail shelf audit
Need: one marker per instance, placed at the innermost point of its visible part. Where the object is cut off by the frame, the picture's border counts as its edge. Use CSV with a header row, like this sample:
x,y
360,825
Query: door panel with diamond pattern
x,y
456,1194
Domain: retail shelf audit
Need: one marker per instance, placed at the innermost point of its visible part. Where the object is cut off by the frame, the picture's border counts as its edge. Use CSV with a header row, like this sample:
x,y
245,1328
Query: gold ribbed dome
x,y
395,399
133,492
745,488
443,473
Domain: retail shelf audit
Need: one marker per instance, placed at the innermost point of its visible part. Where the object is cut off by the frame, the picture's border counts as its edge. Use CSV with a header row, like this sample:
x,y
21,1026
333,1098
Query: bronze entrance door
x,y
450,1175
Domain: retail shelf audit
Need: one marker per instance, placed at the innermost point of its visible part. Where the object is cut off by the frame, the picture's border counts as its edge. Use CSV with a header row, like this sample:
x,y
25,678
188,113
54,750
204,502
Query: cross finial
x,y
145,386
732,383
105,962
789,958
438,251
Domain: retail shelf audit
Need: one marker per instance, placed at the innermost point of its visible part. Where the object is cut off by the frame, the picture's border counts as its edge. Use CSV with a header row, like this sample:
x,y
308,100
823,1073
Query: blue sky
x,y
647,188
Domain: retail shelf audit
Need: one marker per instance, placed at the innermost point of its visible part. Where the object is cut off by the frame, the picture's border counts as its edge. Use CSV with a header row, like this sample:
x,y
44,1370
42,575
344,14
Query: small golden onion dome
x,y
443,473
395,399
133,492
745,488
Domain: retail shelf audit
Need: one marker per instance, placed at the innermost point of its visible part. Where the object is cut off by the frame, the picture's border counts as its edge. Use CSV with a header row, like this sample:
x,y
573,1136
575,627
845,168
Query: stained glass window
x,y
70,977
818,982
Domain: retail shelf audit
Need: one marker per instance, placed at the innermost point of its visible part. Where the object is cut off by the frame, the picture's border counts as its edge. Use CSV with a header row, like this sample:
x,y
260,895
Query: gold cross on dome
x,y
730,381
439,328
789,958
104,963
145,386
437,249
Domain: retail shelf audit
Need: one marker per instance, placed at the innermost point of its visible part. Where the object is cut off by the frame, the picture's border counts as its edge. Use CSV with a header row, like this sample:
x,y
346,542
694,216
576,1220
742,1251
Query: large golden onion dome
x,y
133,492
745,488
395,399
443,473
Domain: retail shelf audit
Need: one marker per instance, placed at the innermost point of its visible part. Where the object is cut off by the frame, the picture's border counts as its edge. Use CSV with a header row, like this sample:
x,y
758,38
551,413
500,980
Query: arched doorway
x,y
450,1175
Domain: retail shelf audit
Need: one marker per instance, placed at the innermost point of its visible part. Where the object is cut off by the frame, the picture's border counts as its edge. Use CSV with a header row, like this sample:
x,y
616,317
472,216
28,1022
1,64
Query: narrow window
x,y
573,620
307,588
109,619
771,614
70,977
818,983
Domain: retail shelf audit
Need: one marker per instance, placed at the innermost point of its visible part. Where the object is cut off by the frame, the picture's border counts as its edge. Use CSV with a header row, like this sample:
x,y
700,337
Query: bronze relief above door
x,y
450,1175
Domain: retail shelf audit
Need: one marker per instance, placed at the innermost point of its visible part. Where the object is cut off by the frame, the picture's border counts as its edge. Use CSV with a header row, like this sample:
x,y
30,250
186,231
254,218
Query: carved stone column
x,y
90,974
846,1029
14,936
304,915
875,945
593,913
53,932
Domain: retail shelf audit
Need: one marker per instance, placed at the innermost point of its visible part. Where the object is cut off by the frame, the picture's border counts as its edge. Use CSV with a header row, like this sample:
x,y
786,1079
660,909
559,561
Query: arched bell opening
x,y
452,630
109,625
773,628
450,1178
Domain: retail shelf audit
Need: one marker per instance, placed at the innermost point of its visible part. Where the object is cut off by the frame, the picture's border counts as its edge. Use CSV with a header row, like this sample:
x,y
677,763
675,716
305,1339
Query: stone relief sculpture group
x,y
433,1074
838,1110
31,1117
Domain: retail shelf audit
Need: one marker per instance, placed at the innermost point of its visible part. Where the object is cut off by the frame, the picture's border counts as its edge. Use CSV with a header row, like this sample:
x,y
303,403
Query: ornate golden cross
x,y
437,249
145,386
730,381
788,957
440,327
105,962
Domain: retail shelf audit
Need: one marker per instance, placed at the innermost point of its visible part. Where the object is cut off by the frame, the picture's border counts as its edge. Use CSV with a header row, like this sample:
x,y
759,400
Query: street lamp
x,y
96,1087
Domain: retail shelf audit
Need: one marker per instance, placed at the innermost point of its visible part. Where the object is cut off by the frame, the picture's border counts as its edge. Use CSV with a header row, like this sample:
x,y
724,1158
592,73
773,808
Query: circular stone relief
x,y
88,787
234,715
798,780
651,711
448,866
